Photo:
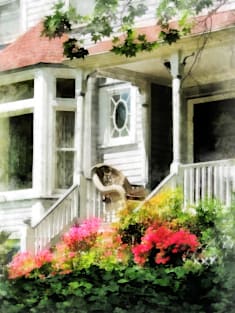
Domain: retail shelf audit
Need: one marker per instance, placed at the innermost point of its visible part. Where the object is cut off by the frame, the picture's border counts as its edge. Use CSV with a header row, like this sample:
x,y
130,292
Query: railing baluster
x,y
197,186
60,215
221,182
216,180
191,184
227,186
209,181
213,179
203,193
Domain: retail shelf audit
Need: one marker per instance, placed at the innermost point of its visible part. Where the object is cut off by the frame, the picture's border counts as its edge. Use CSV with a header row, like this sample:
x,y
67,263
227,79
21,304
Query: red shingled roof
x,y
30,49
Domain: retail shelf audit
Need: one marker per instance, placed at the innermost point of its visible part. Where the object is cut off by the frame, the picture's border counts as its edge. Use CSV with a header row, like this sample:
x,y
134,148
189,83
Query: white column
x,y
176,72
79,127
42,133
90,127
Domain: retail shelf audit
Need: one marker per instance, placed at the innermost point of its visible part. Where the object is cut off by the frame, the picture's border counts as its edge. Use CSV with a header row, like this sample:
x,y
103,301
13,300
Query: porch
x,y
198,181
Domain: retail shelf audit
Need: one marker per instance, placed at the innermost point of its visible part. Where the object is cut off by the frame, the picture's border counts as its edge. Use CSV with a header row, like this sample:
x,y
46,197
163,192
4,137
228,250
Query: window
x,y
9,20
83,7
120,114
16,149
65,124
17,91
65,88
118,105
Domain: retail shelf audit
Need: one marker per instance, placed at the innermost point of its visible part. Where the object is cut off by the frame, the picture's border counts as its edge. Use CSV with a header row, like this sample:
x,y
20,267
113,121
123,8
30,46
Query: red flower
x,y
165,242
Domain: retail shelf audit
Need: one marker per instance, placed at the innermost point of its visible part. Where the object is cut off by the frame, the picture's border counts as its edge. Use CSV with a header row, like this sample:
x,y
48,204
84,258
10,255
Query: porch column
x,y
90,126
176,72
42,134
79,127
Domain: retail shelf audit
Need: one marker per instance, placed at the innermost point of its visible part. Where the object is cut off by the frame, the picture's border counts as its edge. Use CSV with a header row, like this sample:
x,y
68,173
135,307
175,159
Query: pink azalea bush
x,y
86,244
82,237
24,263
161,242
61,259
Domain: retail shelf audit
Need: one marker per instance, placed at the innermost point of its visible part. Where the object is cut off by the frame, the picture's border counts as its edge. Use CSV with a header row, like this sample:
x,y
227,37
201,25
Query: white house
x,y
163,117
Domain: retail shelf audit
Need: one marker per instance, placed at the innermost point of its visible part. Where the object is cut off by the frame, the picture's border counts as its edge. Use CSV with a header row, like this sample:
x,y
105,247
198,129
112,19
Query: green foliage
x,y
7,248
132,44
73,50
131,288
113,17
104,278
57,24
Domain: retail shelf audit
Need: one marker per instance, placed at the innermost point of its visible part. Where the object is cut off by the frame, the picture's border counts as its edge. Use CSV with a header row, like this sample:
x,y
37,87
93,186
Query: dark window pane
x,y
18,91
65,161
65,88
16,147
65,123
120,115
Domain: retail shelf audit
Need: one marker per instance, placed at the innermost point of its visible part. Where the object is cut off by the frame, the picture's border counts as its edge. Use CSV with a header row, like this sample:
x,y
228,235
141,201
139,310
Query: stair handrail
x,y
56,204
42,234
168,181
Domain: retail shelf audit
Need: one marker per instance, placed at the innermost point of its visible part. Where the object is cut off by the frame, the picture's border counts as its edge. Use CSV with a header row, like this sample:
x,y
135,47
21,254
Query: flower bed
x,y
158,259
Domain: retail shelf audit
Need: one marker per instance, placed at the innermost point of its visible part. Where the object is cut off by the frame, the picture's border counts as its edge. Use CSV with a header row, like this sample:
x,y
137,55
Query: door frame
x,y
190,117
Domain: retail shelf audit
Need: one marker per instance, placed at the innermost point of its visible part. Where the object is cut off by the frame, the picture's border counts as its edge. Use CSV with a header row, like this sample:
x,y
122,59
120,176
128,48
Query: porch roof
x,y
213,61
31,48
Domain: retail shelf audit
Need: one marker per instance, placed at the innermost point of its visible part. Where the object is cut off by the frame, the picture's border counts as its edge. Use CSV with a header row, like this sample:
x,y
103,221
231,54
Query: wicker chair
x,y
113,184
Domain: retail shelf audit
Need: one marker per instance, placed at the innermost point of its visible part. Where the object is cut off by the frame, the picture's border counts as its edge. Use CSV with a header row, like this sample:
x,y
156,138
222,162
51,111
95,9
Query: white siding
x,y
36,10
129,158
11,219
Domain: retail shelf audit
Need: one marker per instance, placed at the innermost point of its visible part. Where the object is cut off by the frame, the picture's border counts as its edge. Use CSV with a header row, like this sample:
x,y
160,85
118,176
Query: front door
x,y
161,133
214,130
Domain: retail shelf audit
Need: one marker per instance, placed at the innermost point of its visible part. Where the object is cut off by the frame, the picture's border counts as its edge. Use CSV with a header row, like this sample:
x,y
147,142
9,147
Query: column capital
x,y
176,66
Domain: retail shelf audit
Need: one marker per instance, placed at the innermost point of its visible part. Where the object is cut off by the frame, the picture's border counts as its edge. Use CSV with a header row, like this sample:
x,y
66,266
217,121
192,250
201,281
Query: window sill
x,y
14,195
119,146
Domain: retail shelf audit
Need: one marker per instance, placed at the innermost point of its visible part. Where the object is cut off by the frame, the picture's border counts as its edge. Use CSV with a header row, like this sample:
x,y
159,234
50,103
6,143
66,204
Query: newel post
x,y
27,242
176,68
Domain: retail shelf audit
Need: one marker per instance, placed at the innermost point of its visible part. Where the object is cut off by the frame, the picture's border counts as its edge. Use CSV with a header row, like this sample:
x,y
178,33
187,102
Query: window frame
x,y
105,95
62,149
12,109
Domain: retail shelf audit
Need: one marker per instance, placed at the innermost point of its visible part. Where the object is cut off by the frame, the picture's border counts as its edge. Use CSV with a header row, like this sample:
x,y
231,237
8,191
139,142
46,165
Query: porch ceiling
x,y
212,62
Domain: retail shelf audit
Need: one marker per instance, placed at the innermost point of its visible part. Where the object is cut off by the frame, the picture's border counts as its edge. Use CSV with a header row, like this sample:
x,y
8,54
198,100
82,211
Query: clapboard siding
x,y
129,158
36,10
14,213
11,219
150,14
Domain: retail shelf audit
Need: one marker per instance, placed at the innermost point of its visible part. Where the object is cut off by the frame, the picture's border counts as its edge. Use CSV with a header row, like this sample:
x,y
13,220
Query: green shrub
x,y
157,259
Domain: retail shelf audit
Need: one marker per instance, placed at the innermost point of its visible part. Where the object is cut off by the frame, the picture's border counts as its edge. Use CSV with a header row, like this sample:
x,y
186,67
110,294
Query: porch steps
x,y
199,180
53,223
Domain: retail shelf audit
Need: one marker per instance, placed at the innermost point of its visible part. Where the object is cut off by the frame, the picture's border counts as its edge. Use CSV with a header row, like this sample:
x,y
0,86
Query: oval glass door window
x,y
120,115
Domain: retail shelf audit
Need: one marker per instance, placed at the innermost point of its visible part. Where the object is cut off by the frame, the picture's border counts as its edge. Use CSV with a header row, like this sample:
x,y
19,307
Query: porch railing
x,y
169,182
215,179
59,217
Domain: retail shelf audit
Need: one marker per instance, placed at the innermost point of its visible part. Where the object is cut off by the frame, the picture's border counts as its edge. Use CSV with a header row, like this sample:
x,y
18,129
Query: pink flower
x,y
43,257
83,236
21,265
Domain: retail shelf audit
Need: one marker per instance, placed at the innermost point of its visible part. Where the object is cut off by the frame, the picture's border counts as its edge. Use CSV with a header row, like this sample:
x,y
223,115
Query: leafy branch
x,y
113,17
